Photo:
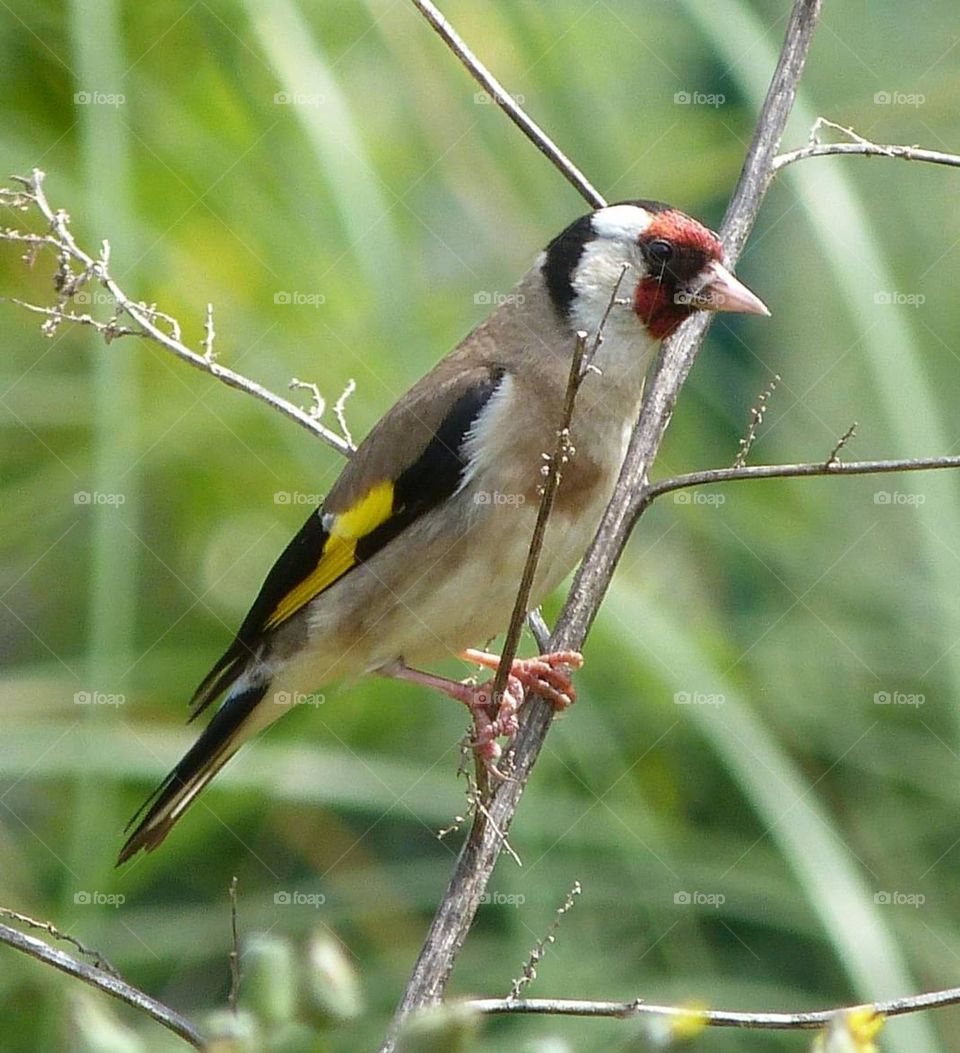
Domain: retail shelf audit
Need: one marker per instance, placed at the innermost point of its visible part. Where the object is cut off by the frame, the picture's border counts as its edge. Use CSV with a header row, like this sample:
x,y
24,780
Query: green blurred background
x,y
803,820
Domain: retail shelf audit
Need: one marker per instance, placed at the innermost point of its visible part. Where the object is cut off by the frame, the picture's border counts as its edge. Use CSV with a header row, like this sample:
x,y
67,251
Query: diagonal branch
x,y
553,471
679,351
48,927
482,848
103,981
505,101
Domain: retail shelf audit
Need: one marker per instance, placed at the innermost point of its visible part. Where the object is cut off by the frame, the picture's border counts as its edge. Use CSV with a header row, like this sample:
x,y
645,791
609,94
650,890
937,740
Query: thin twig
x,y
502,98
476,800
792,471
553,472
209,334
756,419
234,949
539,628
529,972
60,238
103,981
480,851
860,147
340,411
319,406
48,927
834,459
108,330
680,350
710,1017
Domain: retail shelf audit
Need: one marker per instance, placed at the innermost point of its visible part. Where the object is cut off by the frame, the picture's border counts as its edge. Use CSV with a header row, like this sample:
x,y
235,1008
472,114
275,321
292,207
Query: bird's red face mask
x,y
685,273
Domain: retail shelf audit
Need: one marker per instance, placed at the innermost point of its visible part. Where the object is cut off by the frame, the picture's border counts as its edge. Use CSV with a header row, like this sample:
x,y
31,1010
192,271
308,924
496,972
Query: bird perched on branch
x,y
418,550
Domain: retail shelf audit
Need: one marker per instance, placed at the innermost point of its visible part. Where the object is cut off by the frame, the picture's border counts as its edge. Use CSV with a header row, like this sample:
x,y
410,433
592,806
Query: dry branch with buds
x,y
77,269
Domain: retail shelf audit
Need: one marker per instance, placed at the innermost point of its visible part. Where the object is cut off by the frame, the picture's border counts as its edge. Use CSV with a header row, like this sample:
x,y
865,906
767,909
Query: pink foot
x,y
492,717
545,675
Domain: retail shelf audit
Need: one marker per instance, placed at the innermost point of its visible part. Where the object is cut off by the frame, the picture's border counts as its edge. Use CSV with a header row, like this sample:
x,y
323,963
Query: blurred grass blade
x,y
826,869
313,95
112,506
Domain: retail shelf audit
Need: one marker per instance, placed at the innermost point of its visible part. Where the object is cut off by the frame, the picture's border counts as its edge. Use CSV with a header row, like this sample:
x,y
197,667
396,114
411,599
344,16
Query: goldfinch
x,y
417,552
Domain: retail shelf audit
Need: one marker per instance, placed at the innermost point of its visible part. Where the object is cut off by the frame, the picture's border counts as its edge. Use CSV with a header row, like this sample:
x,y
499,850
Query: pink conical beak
x,y
716,289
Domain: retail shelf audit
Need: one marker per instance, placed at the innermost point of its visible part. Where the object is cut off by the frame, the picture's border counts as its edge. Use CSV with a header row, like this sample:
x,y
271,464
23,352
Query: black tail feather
x,y
219,741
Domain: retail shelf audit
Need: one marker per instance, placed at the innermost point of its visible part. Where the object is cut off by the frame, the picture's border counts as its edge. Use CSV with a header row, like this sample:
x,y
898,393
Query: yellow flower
x,y
851,1031
664,1031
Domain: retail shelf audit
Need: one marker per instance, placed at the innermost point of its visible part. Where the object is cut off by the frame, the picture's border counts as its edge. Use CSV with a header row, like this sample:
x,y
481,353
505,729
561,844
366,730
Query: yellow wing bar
x,y
339,550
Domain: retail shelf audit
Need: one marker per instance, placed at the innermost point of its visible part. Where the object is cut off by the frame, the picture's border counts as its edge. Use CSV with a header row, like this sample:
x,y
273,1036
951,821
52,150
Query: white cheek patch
x,y
621,222
596,277
617,229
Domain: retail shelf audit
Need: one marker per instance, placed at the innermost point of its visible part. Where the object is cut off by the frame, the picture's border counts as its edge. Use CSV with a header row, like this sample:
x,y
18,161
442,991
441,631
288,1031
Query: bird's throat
x,y
656,309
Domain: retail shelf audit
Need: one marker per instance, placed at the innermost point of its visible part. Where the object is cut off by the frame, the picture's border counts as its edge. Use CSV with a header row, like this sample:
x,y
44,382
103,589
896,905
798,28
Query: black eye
x,y
659,252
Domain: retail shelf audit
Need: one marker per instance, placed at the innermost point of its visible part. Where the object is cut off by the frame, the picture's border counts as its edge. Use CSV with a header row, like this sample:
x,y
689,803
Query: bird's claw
x,y
494,718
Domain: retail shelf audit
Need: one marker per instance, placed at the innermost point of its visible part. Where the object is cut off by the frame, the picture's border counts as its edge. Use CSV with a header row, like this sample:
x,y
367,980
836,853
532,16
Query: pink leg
x,y
477,698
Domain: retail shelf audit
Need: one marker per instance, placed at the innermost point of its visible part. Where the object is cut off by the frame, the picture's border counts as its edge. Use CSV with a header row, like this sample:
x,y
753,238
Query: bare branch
x,y
209,334
860,147
103,981
846,437
475,798
714,1017
553,472
482,847
503,99
831,466
147,317
679,351
340,411
711,1017
55,315
319,406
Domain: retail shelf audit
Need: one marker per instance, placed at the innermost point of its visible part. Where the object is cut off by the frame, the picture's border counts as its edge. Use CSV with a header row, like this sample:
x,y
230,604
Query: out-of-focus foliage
x,y
759,788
